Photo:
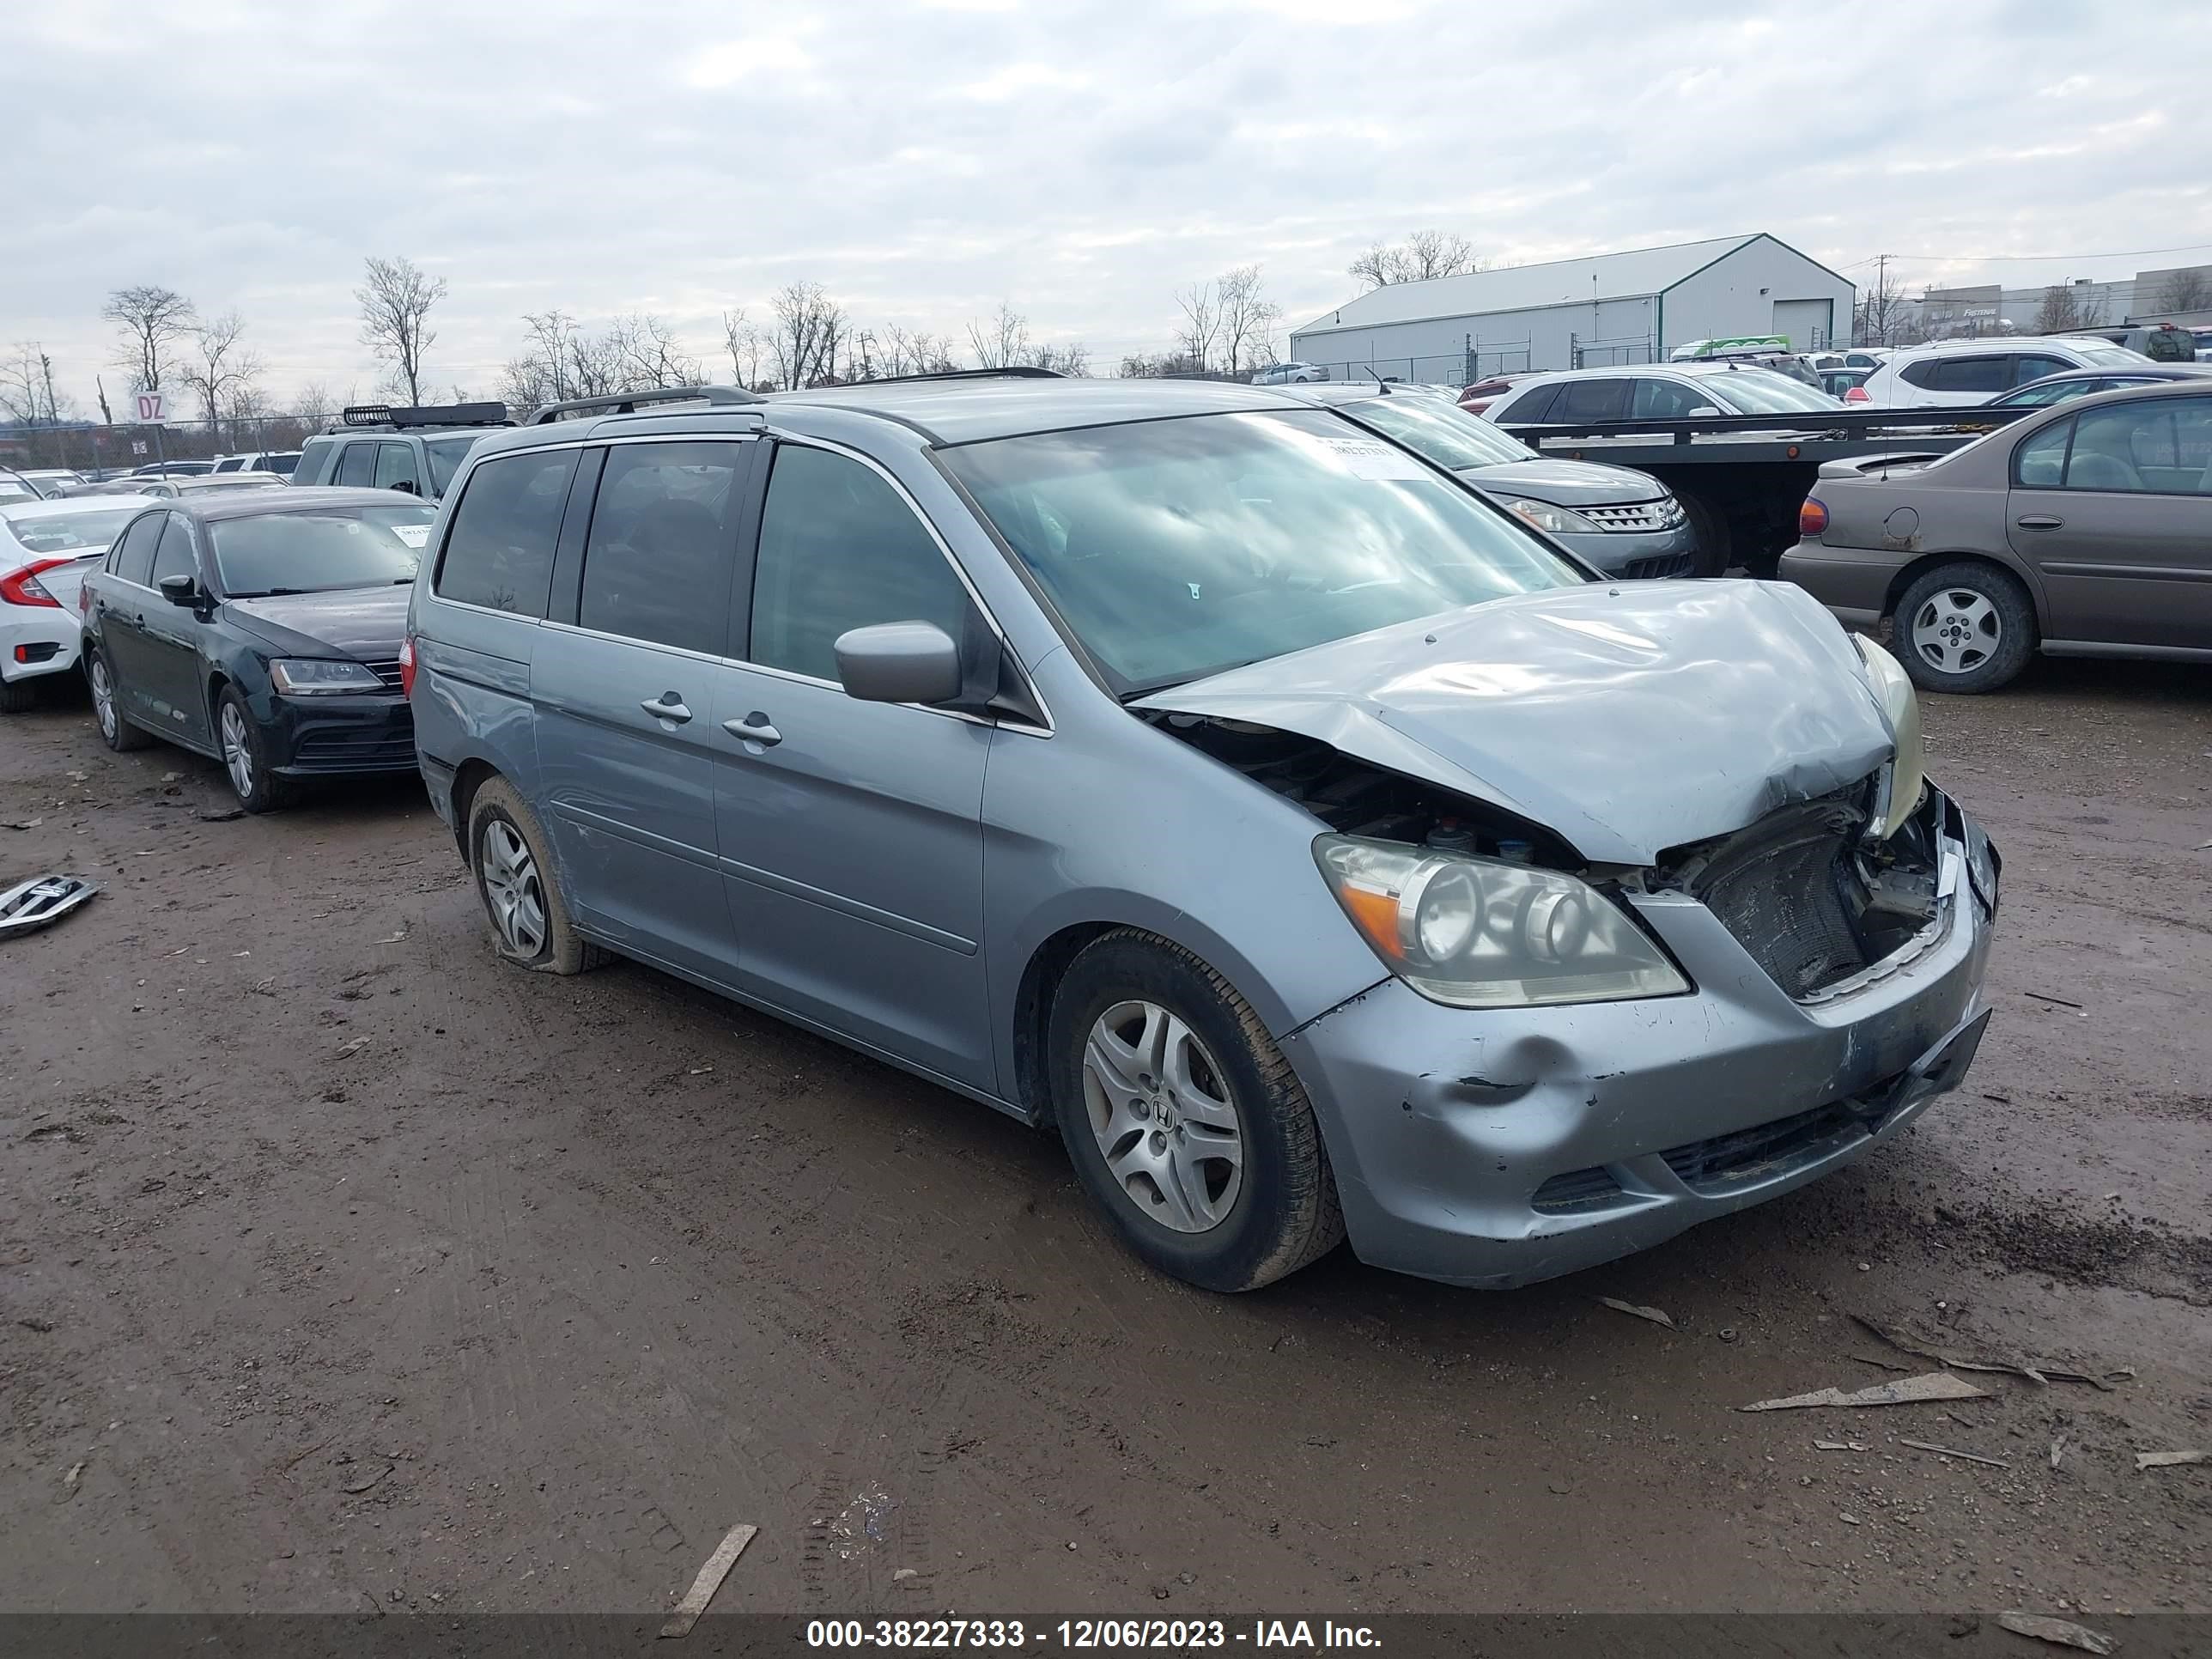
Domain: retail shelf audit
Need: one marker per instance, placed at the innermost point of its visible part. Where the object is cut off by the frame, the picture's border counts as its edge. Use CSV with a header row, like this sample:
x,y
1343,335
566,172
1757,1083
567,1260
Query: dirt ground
x,y
343,1267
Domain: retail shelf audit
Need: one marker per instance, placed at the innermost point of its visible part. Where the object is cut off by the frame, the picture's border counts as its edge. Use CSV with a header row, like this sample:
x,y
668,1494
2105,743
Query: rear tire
x,y
512,861
1155,1062
1965,628
117,733
18,696
1714,542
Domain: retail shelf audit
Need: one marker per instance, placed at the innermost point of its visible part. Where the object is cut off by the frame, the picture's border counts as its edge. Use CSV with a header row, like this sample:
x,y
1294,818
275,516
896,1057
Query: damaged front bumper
x,y
1498,1147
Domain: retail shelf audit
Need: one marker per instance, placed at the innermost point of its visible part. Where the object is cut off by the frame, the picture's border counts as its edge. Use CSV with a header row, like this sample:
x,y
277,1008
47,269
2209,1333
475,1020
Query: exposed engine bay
x,y
1805,890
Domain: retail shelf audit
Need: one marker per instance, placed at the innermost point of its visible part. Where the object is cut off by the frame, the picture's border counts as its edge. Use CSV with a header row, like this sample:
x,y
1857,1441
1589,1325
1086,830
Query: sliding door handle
x,y
754,728
667,707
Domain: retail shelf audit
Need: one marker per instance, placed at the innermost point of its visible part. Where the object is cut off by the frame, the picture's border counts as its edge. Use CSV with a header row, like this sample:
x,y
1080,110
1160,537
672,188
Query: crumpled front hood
x,y
363,622
1629,718
1565,483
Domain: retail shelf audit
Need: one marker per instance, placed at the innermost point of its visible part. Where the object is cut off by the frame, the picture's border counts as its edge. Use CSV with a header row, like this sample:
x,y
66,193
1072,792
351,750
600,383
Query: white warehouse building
x,y
1630,308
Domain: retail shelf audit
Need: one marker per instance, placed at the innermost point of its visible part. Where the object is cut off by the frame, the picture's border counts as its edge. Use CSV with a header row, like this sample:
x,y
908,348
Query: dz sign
x,y
153,408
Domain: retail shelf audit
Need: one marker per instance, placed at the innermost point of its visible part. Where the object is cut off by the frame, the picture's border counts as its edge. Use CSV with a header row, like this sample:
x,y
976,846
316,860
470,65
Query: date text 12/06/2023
x,y
1079,1634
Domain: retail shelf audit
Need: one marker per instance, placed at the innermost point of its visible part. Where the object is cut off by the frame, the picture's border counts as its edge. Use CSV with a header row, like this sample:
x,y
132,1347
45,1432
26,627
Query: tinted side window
x,y
1664,400
499,552
396,469
657,562
134,554
356,464
1531,407
1972,374
314,454
841,549
174,557
2026,369
1921,374
1593,400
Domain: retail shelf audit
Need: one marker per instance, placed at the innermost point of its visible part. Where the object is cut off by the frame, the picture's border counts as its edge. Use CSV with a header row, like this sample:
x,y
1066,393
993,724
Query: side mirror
x,y
180,590
1702,410
406,487
899,662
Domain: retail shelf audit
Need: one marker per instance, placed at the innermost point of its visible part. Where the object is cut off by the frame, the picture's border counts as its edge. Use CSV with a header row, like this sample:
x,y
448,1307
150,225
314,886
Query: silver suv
x,y
1312,844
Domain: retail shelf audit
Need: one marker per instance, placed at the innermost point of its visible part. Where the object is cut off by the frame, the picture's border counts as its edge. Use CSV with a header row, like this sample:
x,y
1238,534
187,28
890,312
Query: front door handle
x,y
2039,521
754,728
667,707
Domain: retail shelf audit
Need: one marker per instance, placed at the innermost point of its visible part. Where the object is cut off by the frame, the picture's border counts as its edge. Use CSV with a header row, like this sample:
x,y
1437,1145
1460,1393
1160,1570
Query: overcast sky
x,y
924,161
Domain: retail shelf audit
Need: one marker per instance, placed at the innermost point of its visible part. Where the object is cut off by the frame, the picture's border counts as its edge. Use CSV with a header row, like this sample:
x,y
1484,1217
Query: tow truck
x,y
1741,479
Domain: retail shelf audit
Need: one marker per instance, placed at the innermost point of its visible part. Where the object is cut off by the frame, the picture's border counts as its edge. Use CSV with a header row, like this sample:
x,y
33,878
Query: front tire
x,y
117,733
512,861
1185,1123
1965,628
244,753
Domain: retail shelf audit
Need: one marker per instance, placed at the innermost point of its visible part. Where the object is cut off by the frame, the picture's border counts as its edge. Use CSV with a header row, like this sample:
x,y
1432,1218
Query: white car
x,y
1289,374
49,481
278,461
1866,357
1654,392
46,549
1965,372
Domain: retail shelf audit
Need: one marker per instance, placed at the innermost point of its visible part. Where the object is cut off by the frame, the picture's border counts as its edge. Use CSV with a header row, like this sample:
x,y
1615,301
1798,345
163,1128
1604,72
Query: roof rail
x,y
490,413
622,403
1012,372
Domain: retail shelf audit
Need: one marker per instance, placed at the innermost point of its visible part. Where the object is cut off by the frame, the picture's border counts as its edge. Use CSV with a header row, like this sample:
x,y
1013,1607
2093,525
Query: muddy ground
x,y
343,1267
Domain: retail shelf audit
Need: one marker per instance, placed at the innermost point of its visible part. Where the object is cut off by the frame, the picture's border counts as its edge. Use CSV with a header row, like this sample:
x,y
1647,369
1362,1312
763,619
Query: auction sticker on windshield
x,y
415,535
1365,457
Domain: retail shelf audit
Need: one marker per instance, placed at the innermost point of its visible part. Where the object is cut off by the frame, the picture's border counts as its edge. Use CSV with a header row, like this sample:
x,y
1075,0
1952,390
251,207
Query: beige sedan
x,y
2084,531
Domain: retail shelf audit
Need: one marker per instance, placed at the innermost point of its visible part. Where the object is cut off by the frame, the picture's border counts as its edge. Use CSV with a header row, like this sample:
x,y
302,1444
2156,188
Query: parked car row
x,y
1306,756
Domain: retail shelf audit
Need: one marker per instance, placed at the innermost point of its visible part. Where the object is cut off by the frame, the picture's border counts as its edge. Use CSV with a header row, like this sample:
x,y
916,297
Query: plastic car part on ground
x,y
43,900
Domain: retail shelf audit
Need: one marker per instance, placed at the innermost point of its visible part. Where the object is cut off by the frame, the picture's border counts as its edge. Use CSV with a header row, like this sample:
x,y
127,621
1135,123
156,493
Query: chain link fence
x,y
91,446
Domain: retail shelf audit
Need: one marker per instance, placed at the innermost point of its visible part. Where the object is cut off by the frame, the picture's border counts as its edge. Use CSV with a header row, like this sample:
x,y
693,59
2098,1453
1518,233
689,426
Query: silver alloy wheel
x,y
1160,1108
511,887
237,758
103,698
1956,630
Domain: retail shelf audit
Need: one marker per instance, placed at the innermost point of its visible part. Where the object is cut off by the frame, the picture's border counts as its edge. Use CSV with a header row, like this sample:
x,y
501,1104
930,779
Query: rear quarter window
x,y
499,551
315,456
1531,406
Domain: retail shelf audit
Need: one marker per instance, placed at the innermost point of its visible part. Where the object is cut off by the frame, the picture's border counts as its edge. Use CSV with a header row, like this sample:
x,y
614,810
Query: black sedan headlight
x,y
309,677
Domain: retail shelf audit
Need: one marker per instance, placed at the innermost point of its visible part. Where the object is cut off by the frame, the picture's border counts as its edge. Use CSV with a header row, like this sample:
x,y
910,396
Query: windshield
x,y
72,535
447,455
2103,352
1443,431
1176,549
1758,392
332,547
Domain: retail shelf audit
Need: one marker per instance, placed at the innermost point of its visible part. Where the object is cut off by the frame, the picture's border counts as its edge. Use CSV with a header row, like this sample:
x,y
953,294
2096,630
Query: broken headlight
x,y
1893,689
1478,933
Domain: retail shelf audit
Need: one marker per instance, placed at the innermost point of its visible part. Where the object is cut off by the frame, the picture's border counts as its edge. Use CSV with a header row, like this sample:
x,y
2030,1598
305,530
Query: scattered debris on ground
x,y
1952,1451
1655,1315
709,1581
2167,1460
2063,1631
2036,1370
1936,1385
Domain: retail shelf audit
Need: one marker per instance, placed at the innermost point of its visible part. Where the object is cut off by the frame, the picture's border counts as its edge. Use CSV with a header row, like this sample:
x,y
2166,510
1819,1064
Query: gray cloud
x,y
1083,161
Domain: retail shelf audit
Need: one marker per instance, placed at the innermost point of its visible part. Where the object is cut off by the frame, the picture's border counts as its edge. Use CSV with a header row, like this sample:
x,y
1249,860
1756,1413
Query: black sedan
x,y
261,629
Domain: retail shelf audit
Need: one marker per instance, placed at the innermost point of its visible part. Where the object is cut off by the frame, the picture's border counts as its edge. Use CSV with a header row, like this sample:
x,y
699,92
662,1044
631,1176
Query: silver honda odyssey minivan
x,y
1321,849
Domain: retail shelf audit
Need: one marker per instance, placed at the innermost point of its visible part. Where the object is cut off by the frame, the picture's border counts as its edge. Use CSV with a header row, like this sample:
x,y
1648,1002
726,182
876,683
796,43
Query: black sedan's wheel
x,y
246,756
1964,627
107,706
512,861
1184,1121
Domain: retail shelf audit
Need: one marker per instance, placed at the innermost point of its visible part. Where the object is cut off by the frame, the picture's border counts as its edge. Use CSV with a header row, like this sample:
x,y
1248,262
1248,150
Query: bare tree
x,y
1880,311
2185,290
150,319
1071,358
395,308
220,368
1201,325
745,343
1248,318
1001,340
2061,310
652,357
1421,256
26,386
809,327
